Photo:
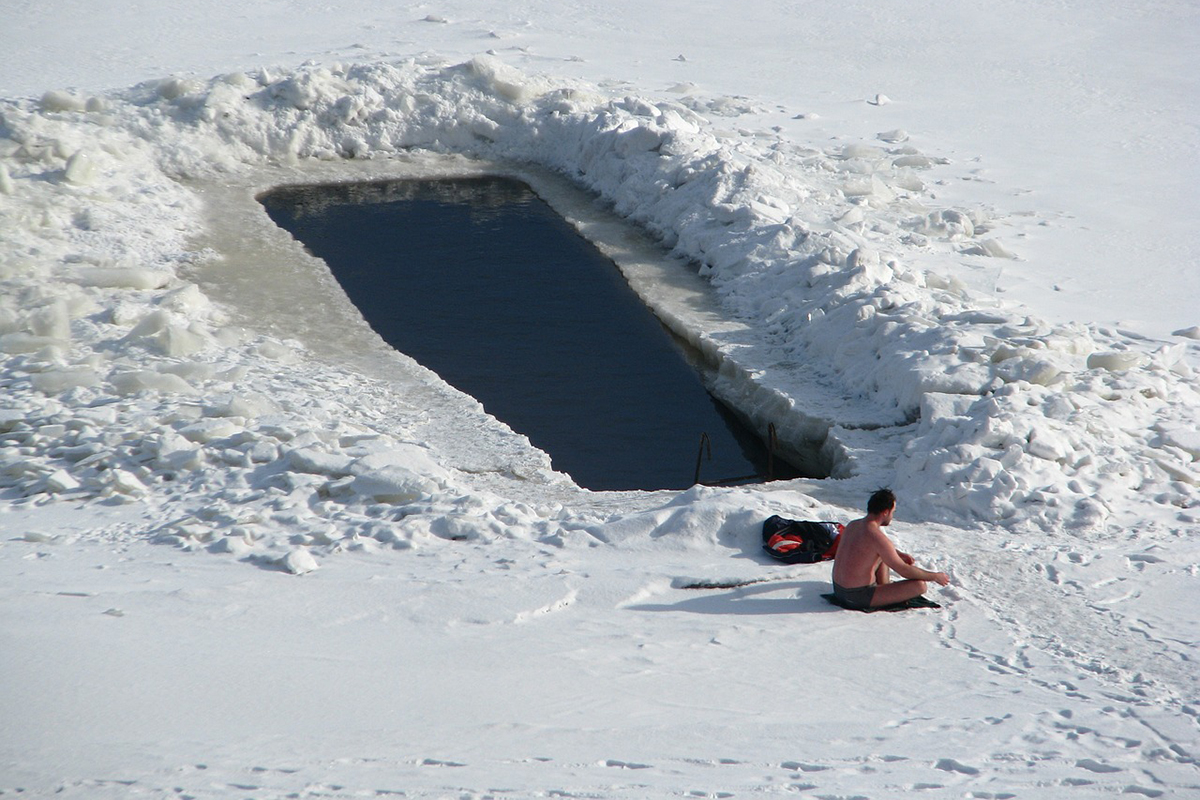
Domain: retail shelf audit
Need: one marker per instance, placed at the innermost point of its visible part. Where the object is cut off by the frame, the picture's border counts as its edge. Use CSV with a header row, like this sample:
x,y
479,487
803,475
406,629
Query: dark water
x,y
481,281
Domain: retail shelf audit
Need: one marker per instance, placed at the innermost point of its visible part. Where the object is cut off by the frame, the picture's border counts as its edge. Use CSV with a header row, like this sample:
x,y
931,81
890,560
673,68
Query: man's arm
x,y
902,563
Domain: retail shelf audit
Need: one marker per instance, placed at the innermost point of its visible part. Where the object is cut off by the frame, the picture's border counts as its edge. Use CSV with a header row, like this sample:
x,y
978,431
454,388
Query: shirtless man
x,y
865,558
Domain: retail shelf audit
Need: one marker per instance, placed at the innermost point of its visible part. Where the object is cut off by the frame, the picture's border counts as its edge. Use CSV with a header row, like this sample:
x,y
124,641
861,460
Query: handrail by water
x,y
704,440
772,444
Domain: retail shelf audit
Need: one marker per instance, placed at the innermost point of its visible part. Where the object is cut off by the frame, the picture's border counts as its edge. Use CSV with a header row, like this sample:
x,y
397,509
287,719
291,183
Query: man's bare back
x,y
866,556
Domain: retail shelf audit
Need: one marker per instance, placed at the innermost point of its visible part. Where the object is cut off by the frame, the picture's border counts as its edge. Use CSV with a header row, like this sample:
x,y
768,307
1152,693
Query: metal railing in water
x,y
706,447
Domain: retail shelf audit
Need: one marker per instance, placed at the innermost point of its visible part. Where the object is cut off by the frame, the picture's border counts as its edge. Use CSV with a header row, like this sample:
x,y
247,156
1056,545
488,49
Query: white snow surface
x,y
250,551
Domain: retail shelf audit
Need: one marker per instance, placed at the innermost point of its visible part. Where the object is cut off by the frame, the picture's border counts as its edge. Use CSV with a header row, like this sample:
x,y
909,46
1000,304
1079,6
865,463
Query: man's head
x,y
881,504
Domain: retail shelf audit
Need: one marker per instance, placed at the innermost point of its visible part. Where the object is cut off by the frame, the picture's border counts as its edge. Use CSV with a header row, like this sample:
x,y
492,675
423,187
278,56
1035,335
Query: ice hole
x,y
484,283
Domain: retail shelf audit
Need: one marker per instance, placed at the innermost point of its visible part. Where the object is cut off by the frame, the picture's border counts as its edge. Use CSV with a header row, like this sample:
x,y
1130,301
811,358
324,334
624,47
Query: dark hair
x,y
881,501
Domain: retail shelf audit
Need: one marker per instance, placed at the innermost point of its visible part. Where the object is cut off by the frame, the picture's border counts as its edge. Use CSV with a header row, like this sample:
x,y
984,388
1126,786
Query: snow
x,y
248,550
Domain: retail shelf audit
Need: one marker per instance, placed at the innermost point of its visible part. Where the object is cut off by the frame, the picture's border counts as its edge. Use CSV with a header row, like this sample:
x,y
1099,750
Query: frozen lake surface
x,y
250,549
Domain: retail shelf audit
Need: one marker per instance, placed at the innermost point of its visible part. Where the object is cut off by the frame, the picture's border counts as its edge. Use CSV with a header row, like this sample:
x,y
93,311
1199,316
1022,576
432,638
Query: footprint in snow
x,y
564,602
1138,561
950,765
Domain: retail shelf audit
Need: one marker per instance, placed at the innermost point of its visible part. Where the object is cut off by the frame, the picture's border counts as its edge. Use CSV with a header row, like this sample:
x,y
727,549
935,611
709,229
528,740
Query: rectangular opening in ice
x,y
482,282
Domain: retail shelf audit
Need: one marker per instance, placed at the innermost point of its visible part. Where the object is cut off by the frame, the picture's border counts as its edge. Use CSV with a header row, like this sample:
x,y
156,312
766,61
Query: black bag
x,y
798,542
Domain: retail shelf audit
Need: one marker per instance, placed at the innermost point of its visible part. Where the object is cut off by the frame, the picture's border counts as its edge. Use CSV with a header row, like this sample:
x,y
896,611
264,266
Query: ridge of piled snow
x,y
832,259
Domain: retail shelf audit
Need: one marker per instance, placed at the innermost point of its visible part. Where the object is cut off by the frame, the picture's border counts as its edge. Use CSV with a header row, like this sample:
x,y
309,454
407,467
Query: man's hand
x,y
940,578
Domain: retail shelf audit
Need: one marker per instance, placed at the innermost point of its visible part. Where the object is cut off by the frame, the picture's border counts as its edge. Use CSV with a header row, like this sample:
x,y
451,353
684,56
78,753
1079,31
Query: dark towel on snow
x,y
921,601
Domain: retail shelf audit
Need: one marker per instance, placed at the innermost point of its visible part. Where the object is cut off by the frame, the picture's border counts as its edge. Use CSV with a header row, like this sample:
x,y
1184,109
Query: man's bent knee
x,y
898,592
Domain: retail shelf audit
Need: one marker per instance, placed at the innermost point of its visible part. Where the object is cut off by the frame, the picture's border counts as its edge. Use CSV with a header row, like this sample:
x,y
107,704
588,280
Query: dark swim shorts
x,y
859,597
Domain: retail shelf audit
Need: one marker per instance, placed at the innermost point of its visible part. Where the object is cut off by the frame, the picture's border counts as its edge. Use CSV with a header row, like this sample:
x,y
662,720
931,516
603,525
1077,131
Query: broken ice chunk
x,y
1116,361
298,562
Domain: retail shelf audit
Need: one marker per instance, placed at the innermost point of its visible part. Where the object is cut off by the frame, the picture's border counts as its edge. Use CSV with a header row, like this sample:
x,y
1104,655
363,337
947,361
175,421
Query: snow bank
x,y
123,381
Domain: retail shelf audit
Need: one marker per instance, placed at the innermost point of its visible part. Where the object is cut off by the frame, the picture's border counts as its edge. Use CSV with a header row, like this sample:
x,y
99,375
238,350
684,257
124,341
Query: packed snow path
x,y
527,669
